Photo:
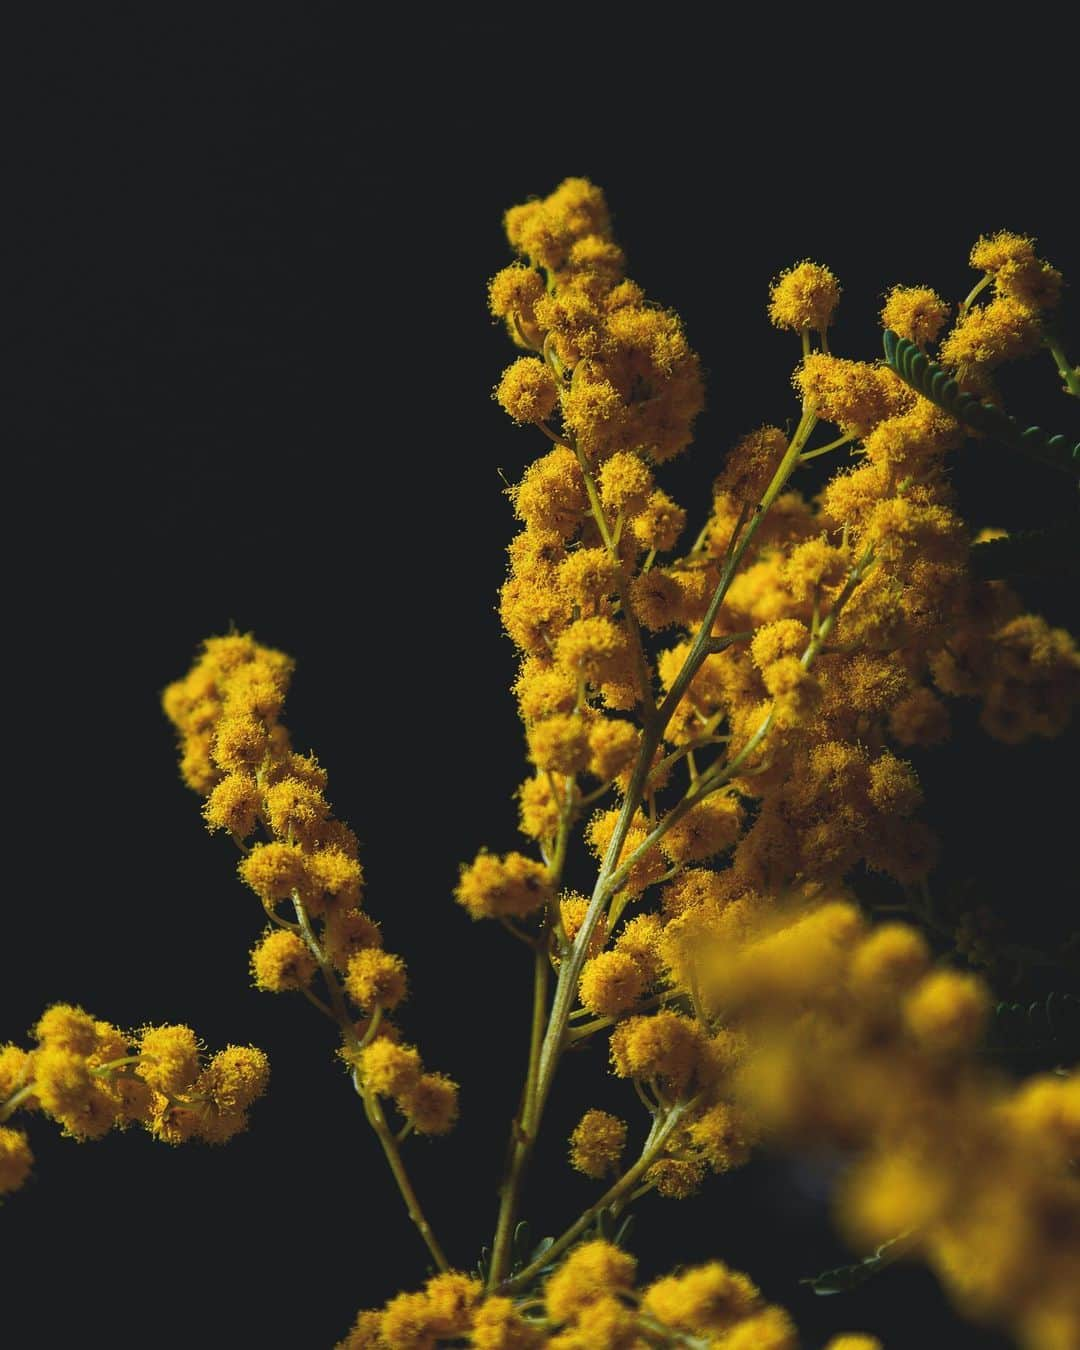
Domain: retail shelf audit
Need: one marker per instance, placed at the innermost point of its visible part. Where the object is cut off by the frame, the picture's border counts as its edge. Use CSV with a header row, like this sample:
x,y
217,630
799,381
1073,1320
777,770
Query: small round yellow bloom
x,y
240,743
236,1077
588,576
16,1159
598,647
515,289
375,976
605,1324
67,1027
452,1296
640,940
544,689
659,523
346,932
572,910
491,887
233,805
527,390
1035,285
296,809
854,1340
706,829
335,872
894,785
282,961
169,1058
390,1069
274,871
664,1045
676,1178
497,1325
597,1143
782,637
610,983
947,1010
655,596
989,335
559,743
805,296
218,1127
197,769
852,394
920,719
749,466
15,1066
795,690
406,1322
224,654
256,690
992,252
613,747
915,312
432,1104
62,1082
540,809
770,1329
625,482
591,1272
709,1298
721,1137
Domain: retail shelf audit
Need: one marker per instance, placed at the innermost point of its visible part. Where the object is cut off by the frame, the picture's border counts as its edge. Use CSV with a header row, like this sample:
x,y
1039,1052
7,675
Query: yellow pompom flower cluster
x,y
91,1077
722,714
805,296
589,1303
307,860
1010,325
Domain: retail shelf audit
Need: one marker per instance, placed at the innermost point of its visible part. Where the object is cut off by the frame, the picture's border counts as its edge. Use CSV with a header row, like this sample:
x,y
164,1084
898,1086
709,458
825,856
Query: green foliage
x,y
523,1253
1048,1028
1030,553
842,1279
936,384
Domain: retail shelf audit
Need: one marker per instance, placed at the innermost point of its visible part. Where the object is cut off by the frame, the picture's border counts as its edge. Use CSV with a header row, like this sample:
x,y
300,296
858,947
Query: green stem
x,y
972,295
372,1106
16,1100
524,1129
714,778
654,1144
1068,373
648,708
823,449
374,1113
585,1029
570,970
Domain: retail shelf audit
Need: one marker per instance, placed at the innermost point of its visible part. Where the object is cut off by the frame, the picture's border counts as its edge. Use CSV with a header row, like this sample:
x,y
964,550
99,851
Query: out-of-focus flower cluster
x,y
91,1077
851,1038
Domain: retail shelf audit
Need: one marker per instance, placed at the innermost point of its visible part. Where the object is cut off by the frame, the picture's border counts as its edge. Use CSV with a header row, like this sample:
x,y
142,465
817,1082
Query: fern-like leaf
x,y
1030,553
936,384
842,1279
1048,1027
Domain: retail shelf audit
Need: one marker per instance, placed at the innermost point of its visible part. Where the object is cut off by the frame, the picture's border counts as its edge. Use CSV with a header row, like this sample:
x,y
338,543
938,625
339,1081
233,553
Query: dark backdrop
x,y
258,393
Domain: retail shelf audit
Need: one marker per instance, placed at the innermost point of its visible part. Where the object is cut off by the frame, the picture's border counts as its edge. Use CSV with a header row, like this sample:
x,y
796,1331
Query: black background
x,y
251,304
